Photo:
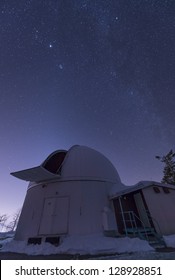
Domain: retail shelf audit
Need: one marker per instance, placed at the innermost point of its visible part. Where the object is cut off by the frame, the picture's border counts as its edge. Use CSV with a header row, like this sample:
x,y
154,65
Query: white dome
x,y
86,163
78,163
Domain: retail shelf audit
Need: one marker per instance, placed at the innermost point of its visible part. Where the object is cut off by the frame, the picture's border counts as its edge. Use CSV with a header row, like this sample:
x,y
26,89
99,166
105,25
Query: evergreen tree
x,y
169,168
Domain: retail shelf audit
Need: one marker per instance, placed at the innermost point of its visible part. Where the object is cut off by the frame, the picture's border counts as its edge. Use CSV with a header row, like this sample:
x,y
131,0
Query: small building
x,y
146,205
79,192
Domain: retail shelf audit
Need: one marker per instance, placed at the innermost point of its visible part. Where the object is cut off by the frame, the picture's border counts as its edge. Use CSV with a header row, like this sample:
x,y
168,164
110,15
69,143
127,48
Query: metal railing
x,y
133,220
153,219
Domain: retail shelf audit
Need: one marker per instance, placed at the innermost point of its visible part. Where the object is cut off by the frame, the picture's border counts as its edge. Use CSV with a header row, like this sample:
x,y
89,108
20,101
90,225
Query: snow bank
x,y
6,240
169,240
89,244
7,234
6,237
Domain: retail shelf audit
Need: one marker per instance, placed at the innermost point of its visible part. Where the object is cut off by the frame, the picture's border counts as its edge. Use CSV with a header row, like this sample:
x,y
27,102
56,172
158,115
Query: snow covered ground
x,y
89,244
5,237
93,245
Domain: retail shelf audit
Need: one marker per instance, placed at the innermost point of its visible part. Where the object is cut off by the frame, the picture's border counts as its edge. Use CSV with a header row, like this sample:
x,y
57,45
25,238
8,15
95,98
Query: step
x,y
140,230
148,234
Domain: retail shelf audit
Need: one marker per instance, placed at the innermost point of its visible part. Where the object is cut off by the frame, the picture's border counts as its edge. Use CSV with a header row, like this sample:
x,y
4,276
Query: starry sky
x,y
99,73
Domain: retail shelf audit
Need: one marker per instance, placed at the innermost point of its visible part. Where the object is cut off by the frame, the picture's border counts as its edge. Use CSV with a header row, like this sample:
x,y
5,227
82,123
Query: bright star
x,y
60,66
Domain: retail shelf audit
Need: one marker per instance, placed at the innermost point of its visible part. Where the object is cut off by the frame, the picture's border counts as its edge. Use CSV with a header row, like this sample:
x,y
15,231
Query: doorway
x,y
131,211
55,215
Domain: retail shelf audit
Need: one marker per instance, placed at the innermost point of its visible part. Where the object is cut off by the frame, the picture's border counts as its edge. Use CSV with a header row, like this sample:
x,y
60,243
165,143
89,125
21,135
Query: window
x,y
166,190
53,240
34,240
156,189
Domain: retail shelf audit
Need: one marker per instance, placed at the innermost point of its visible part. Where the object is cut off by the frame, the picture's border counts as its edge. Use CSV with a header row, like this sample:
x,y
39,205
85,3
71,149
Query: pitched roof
x,y
120,189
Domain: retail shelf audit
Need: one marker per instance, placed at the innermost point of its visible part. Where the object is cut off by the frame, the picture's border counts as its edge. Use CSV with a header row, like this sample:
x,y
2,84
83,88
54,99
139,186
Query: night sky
x,y
99,73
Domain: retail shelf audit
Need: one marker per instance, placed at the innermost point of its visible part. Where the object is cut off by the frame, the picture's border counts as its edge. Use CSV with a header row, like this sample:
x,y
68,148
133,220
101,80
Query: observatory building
x,y
79,192
68,194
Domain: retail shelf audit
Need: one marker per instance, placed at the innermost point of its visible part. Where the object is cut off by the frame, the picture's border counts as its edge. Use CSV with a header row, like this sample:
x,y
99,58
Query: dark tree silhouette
x,y
169,167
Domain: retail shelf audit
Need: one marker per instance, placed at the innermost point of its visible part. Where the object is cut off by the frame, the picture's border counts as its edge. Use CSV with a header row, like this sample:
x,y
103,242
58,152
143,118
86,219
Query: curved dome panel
x,y
78,163
86,163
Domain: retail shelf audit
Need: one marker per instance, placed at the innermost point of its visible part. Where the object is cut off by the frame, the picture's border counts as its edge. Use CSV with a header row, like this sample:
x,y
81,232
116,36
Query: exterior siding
x,y
162,209
87,200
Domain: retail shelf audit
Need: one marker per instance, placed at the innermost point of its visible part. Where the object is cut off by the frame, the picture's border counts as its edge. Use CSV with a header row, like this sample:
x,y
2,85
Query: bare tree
x,y
13,224
3,219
